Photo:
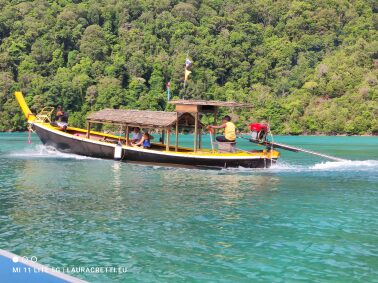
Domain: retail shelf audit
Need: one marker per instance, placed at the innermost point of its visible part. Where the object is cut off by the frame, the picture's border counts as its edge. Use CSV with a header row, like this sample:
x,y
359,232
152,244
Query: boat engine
x,y
258,132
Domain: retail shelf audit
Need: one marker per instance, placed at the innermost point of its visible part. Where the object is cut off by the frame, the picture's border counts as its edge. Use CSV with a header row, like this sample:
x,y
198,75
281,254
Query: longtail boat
x,y
96,144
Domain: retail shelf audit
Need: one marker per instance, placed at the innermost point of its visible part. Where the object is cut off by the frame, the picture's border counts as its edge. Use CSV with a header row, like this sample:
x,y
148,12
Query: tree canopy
x,y
307,67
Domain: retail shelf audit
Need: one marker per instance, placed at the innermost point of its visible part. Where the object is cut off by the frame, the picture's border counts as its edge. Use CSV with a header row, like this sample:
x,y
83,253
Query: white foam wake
x,y
356,165
284,166
42,151
330,166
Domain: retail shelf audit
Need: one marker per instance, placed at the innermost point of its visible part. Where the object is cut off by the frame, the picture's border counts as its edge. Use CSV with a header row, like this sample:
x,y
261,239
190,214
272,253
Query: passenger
x,y
145,141
59,112
137,135
229,130
61,118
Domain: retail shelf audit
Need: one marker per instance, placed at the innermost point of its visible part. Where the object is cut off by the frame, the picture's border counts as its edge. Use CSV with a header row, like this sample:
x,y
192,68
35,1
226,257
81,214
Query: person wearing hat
x,y
229,130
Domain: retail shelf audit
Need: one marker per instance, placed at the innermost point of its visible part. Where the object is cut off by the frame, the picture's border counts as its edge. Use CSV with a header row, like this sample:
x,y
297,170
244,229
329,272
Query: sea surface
x,y
304,220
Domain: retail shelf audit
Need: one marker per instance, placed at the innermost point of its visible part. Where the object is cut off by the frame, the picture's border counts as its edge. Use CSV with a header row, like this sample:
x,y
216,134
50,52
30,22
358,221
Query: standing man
x,y
229,130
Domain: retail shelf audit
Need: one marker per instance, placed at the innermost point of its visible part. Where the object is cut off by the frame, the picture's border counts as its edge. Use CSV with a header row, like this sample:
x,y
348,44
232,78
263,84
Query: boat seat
x,y
226,146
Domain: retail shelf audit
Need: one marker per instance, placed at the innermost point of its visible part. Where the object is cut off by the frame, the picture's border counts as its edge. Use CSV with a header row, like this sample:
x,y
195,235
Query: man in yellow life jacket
x,y
229,130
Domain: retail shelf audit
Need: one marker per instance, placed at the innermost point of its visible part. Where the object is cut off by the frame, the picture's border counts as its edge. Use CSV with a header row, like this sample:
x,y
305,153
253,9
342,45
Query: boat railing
x,y
44,116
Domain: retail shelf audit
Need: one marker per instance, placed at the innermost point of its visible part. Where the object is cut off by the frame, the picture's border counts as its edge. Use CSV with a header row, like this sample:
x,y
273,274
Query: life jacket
x,y
146,143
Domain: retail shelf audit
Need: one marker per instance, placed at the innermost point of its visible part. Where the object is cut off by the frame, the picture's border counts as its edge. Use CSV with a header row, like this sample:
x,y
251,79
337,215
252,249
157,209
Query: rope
x,y
30,130
123,155
29,137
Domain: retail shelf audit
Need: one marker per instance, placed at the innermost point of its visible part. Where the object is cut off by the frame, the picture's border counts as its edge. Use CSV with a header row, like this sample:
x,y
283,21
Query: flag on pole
x,y
187,73
168,85
187,63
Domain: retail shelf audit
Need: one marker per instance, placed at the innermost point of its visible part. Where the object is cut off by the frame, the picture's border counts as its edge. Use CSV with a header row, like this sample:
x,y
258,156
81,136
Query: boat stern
x,y
271,154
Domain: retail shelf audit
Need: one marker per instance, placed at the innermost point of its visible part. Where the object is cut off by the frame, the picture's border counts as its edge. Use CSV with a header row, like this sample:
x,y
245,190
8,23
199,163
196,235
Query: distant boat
x,y
101,145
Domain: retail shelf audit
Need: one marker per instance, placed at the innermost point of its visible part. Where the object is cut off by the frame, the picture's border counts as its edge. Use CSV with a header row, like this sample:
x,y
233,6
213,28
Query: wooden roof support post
x,y
215,123
168,139
120,133
200,138
195,131
162,136
176,142
88,130
127,135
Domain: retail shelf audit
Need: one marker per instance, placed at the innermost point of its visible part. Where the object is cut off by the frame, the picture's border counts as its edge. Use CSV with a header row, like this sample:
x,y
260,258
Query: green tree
x,y
93,43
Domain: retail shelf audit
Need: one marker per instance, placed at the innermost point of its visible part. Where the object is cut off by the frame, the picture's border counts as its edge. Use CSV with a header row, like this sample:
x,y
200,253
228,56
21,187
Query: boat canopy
x,y
209,103
141,118
204,106
187,115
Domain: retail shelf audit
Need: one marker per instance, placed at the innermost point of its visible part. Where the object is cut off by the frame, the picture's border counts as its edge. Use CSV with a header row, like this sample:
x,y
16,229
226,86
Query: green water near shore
x,y
305,219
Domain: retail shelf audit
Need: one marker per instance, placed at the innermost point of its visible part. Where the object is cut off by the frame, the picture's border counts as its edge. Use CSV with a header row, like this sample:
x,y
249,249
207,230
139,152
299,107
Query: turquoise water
x,y
305,219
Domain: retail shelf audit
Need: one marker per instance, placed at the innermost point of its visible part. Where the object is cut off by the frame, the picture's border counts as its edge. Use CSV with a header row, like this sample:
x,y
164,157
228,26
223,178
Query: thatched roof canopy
x,y
141,118
209,103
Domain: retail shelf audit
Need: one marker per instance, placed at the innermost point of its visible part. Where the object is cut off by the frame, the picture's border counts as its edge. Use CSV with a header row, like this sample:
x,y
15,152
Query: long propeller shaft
x,y
294,149
297,149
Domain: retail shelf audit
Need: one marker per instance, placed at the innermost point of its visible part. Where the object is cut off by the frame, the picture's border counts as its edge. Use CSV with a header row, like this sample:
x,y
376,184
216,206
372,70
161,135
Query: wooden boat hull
x,y
68,143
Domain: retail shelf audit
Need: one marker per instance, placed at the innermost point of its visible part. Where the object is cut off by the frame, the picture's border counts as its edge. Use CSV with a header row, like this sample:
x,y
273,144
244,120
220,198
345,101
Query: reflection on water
x,y
116,176
167,224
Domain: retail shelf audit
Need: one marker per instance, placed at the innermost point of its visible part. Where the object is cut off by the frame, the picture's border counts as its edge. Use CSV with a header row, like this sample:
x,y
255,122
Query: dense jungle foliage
x,y
307,67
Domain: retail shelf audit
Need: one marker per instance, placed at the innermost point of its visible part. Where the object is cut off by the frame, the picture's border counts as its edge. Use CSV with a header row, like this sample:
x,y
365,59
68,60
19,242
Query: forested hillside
x,y
307,67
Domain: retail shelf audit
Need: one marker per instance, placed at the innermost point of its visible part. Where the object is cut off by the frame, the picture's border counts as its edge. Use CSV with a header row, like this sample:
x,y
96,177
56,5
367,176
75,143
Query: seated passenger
x,y
229,130
61,118
137,135
145,141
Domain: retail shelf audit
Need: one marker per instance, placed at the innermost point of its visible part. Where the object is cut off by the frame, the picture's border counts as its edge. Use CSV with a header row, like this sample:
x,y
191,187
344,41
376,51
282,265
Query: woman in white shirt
x,y
137,136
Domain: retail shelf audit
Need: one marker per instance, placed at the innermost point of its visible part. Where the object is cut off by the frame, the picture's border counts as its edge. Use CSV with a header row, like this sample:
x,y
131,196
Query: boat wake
x,y
334,166
42,151
330,166
355,165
